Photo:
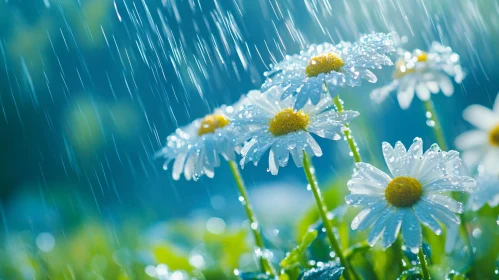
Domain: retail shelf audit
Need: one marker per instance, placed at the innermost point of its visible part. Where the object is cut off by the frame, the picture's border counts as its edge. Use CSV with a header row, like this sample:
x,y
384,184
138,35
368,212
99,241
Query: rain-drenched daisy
x,y
344,64
414,193
197,147
481,145
422,73
272,123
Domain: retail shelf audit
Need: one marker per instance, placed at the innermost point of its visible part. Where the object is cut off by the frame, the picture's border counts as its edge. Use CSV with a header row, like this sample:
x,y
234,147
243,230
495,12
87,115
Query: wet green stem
x,y
265,264
307,166
437,126
347,131
440,137
424,265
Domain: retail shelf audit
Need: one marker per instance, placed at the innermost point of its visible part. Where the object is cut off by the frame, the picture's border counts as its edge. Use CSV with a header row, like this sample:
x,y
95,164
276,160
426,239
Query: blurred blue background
x,y
89,90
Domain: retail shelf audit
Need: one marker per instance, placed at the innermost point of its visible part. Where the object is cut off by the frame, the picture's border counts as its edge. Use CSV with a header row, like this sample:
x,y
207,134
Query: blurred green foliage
x,y
97,251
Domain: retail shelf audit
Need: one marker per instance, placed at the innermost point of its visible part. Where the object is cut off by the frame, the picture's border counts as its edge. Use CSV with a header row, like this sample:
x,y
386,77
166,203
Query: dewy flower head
x,y
413,194
270,122
422,73
196,148
344,64
481,145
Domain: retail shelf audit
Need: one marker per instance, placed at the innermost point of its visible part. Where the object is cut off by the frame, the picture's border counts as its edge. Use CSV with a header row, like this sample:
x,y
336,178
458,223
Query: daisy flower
x,y
344,64
197,147
481,145
413,194
422,73
272,123
196,150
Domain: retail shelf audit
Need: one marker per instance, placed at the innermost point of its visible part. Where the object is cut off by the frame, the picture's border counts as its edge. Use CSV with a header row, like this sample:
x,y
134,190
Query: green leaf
x,y
411,274
330,271
294,256
359,248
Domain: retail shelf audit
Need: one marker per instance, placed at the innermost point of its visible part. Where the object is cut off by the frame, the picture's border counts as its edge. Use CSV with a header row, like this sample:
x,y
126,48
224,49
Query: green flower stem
x,y
307,165
265,264
424,265
439,134
437,126
347,131
464,231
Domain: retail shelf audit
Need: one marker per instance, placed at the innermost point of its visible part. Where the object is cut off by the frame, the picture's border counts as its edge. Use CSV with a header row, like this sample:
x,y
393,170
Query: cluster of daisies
x,y
299,102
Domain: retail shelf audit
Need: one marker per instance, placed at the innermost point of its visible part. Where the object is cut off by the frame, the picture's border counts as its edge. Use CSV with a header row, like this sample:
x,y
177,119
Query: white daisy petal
x,y
313,146
435,164
486,192
413,157
197,147
439,212
479,147
211,152
209,172
451,204
426,219
402,162
300,78
445,85
371,173
411,230
369,215
178,165
190,165
481,117
391,158
362,199
380,94
451,238
273,123
297,156
450,183
472,139
281,153
254,149
405,93
273,164
416,194
365,186
432,86
423,73
490,160
474,156
392,229
380,225
422,91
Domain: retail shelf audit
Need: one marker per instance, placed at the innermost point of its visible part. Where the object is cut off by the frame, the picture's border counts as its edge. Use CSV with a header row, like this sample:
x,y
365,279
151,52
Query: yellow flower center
x,y
423,57
403,191
494,136
401,66
211,122
288,120
324,63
